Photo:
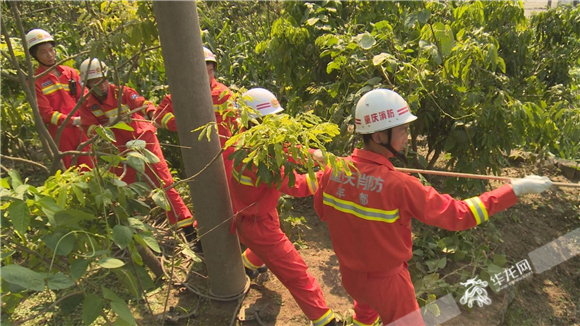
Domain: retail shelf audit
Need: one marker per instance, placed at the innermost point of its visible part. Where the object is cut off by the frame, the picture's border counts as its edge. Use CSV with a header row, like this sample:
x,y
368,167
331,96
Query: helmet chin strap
x,y
400,155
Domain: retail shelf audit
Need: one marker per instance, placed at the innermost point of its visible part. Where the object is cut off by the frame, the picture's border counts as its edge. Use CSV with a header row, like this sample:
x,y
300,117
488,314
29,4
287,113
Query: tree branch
x,y
10,77
17,159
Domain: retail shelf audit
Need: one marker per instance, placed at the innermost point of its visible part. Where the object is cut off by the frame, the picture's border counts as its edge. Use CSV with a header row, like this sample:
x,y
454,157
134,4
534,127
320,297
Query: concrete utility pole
x,y
182,48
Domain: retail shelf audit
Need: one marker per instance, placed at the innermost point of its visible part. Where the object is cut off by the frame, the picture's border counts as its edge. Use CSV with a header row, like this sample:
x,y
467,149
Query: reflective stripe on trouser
x,y
265,239
250,260
390,297
179,213
365,312
69,140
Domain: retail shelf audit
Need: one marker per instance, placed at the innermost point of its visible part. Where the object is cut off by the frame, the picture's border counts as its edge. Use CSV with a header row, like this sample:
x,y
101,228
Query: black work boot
x,y
191,236
252,273
263,269
333,322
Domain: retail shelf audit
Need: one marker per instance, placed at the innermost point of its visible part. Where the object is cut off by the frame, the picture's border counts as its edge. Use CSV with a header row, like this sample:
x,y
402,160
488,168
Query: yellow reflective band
x,y
325,319
375,323
245,180
98,113
371,214
312,184
478,209
247,263
55,117
113,113
51,89
185,222
65,87
166,119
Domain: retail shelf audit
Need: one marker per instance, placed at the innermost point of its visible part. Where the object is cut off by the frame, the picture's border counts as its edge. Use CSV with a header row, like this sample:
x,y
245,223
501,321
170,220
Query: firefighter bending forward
x,y
258,225
369,213
100,108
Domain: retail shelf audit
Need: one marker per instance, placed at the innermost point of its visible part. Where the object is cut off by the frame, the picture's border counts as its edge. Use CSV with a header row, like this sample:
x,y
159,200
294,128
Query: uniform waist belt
x,y
390,272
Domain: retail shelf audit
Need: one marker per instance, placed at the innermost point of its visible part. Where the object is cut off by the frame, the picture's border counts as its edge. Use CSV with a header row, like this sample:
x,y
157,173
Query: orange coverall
x,y
94,112
369,218
55,102
258,227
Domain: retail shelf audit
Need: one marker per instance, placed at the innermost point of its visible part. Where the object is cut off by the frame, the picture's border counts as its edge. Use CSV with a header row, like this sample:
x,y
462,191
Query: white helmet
x,y
263,101
37,36
91,69
381,109
209,56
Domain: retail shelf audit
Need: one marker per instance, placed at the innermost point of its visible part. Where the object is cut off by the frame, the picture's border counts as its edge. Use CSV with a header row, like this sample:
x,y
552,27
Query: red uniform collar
x,y
360,155
42,69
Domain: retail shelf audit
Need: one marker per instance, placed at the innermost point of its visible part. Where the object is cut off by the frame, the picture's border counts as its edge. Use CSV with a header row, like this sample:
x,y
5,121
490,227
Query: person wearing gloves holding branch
x,y
101,108
57,93
369,213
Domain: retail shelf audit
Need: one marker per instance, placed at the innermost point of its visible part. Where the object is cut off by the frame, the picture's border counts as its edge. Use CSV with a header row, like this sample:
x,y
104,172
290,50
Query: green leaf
x,y
366,41
4,183
128,280
70,217
312,21
7,254
499,259
122,126
59,281
442,263
15,178
78,268
23,277
374,80
105,133
122,235
379,58
68,305
423,16
19,214
60,243
147,239
136,161
160,199
150,156
110,262
92,308
119,306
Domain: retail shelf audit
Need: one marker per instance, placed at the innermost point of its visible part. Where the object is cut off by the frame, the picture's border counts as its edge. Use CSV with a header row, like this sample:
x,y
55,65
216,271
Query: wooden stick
x,y
476,176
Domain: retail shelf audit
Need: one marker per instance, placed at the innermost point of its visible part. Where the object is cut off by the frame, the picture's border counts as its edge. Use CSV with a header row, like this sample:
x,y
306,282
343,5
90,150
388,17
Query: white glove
x,y
76,121
136,144
531,184
317,155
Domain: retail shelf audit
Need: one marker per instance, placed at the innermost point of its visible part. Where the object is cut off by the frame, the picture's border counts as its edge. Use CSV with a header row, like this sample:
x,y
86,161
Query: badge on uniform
x,y
47,83
134,96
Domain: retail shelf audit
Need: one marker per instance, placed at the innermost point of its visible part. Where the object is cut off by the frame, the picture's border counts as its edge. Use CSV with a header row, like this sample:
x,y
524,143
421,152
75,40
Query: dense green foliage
x,y
482,78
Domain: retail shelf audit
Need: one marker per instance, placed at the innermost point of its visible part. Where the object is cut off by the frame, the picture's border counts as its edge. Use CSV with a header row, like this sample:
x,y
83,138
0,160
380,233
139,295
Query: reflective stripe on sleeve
x,y
166,118
245,180
328,316
55,117
366,213
478,209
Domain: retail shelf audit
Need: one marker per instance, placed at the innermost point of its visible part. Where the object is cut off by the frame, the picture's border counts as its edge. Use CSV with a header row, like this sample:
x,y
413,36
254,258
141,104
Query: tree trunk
x,y
181,45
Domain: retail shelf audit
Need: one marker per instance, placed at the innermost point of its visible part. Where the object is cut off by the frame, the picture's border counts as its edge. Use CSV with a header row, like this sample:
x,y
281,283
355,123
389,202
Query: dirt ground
x,y
550,298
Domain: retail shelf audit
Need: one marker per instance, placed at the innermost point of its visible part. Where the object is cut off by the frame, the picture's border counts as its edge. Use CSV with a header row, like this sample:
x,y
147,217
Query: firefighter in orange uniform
x,y
258,226
220,94
369,213
100,108
57,93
